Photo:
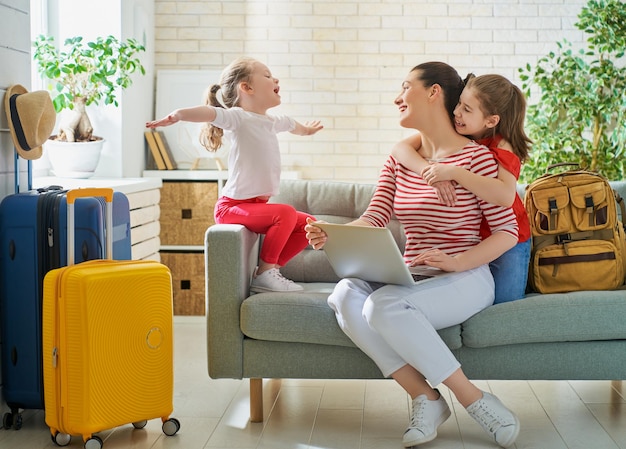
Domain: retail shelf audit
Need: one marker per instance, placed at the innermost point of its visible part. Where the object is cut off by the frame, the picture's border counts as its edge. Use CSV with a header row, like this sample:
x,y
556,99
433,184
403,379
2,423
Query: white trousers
x,y
397,325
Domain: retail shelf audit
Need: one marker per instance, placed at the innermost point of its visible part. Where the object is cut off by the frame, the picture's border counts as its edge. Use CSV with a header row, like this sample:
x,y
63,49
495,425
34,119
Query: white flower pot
x,y
73,159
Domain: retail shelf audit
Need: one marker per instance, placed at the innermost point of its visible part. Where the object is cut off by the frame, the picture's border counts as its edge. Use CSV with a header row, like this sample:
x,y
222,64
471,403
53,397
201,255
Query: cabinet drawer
x,y
186,211
188,284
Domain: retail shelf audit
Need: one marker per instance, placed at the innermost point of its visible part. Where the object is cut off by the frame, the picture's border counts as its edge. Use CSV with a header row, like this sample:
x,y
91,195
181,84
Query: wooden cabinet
x,y
186,211
188,284
188,198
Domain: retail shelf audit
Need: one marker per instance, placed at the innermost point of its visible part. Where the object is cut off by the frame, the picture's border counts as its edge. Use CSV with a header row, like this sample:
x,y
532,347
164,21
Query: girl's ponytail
x,y
211,135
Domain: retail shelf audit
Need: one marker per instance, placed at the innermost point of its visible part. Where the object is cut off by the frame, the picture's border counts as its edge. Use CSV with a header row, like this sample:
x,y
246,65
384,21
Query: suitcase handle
x,y
72,195
16,168
106,192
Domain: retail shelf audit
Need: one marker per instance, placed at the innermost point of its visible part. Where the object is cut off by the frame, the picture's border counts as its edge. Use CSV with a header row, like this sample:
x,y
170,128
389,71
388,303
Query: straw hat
x,y
31,118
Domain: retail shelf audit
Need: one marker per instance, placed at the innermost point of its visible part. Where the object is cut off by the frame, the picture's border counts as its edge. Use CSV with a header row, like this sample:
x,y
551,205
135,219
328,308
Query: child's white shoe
x,y
272,281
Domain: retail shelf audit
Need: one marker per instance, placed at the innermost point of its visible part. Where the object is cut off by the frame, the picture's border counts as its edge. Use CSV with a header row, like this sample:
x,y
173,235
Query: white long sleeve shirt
x,y
254,159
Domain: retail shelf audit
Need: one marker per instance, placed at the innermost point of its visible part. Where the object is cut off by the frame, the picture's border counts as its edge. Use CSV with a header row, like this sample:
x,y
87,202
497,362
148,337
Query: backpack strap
x,y
590,210
554,212
622,207
541,241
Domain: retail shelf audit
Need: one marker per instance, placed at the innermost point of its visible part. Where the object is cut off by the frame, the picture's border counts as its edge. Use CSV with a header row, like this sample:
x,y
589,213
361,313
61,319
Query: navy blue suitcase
x,y
33,233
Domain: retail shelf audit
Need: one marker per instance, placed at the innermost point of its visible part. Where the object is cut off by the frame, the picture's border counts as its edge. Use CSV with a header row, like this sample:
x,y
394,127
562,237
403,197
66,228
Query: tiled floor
x,y
320,414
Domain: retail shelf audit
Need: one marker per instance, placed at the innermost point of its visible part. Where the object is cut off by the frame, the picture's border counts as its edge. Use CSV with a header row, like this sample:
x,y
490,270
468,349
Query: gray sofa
x,y
578,335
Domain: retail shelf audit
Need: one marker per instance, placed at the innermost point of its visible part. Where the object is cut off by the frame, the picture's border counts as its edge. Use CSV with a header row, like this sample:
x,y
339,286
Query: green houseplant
x,y
81,74
85,73
579,112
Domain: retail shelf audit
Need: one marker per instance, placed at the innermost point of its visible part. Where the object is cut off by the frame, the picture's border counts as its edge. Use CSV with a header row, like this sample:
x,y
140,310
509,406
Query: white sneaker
x,y
426,416
497,420
272,281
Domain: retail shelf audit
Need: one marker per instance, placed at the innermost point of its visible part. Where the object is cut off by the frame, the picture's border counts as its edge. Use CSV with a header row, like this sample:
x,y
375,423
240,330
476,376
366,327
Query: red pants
x,y
282,225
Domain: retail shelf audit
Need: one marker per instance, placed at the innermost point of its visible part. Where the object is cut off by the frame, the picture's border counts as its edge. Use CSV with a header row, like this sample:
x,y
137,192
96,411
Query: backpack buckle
x,y
564,238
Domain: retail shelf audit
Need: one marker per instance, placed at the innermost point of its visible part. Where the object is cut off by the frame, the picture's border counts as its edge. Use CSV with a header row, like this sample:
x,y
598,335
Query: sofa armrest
x,y
230,256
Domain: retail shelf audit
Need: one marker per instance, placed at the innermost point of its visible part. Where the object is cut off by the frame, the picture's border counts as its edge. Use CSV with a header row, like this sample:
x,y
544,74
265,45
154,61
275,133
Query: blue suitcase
x,y
33,233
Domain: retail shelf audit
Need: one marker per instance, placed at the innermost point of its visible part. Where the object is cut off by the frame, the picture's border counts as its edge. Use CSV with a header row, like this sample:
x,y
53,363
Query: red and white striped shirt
x,y
427,222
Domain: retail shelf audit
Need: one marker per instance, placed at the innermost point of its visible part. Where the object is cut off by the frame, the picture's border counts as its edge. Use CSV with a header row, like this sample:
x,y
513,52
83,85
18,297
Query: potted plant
x,y
579,112
81,74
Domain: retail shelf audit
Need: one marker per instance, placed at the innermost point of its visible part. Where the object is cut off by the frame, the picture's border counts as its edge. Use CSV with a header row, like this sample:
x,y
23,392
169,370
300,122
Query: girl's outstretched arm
x,y
308,128
198,114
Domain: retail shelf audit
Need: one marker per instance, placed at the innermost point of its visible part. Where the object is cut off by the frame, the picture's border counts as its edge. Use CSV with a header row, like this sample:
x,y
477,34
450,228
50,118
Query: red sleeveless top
x,y
511,163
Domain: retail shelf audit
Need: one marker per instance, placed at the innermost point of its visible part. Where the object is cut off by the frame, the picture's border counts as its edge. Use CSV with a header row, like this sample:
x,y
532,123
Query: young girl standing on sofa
x,y
248,90
491,111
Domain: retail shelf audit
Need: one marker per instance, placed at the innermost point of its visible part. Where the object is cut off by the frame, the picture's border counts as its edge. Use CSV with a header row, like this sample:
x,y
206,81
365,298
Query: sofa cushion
x,y
558,317
304,317
326,199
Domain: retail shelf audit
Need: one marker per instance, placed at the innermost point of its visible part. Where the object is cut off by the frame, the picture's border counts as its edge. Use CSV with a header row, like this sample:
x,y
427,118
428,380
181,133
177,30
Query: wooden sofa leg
x,y
256,400
616,392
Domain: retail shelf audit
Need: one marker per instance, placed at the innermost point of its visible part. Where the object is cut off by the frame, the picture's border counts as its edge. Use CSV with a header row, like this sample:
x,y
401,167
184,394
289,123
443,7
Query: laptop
x,y
371,254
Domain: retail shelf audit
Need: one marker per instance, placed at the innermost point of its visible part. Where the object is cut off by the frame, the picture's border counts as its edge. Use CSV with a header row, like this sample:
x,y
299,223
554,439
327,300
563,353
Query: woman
x,y
397,325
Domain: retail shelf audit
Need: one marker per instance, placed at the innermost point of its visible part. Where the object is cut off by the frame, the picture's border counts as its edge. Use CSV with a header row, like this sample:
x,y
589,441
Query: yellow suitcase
x,y
107,342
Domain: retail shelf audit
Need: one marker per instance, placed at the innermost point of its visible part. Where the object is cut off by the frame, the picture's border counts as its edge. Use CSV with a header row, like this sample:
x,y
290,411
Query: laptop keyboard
x,y
420,277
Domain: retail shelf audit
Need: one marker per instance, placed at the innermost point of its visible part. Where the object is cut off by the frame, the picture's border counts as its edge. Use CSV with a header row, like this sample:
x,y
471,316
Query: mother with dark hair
x,y
397,325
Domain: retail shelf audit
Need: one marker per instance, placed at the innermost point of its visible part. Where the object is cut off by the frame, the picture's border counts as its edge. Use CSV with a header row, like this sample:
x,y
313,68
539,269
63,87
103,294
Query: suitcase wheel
x,y
95,442
140,424
61,439
12,420
7,420
171,426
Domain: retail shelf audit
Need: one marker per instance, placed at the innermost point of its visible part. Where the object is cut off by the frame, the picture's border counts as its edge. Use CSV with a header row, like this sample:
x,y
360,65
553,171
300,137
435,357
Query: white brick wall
x,y
343,61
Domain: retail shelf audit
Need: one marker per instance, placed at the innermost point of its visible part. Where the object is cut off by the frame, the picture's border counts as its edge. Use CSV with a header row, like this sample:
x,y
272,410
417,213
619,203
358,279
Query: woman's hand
x,y
437,259
316,237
